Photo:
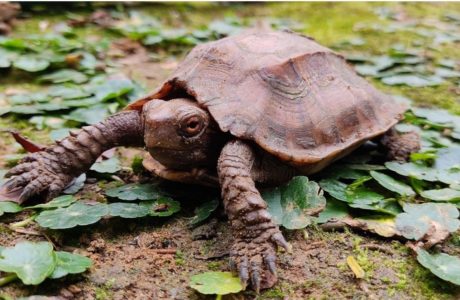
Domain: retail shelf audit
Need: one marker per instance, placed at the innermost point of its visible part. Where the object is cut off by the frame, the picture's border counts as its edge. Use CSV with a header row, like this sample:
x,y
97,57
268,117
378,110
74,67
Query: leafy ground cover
x,y
61,70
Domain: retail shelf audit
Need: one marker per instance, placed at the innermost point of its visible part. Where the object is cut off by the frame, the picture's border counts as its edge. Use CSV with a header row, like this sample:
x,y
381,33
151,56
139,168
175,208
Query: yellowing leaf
x,y
355,267
220,283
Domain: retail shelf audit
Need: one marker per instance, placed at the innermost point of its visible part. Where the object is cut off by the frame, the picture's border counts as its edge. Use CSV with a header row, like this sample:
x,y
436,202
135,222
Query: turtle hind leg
x,y
400,146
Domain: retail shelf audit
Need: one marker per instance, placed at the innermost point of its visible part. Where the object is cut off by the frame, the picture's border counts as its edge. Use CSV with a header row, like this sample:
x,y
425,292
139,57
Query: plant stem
x,y
23,223
218,297
8,279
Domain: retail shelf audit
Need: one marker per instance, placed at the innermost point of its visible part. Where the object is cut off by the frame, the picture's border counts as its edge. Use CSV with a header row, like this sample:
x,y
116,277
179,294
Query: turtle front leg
x,y
400,146
256,237
52,169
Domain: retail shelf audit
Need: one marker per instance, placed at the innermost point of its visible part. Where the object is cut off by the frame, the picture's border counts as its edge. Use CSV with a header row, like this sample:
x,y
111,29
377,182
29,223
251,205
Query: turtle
x,y
258,107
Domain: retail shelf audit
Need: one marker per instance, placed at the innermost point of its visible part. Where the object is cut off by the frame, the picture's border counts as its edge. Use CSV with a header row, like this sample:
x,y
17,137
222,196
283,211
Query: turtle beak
x,y
159,124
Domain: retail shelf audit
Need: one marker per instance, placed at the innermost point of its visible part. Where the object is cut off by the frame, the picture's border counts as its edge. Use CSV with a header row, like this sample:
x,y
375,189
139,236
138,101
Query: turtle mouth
x,y
174,158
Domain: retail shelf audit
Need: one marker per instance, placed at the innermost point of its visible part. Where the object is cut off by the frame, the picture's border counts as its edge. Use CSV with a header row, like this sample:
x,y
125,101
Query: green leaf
x,y
31,262
442,265
220,283
59,134
31,63
163,207
78,214
447,73
365,167
387,206
362,194
204,211
76,185
413,80
445,194
448,165
110,166
414,170
9,207
335,210
64,75
419,219
342,172
392,184
5,62
68,263
293,204
137,164
335,188
61,201
435,115
135,191
113,88
358,183
68,92
90,115
128,210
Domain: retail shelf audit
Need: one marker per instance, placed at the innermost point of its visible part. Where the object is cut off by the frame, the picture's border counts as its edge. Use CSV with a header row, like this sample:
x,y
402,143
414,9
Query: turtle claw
x,y
279,240
243,272
255,259
32,176
270,261
255,276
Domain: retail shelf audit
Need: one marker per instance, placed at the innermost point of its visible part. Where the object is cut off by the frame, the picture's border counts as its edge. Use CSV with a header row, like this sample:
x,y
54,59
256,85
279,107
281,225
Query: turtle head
x,y
180,134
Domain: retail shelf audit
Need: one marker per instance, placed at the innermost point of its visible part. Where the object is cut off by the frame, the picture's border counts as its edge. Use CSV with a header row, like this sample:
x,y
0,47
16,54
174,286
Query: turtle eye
x,y
192,126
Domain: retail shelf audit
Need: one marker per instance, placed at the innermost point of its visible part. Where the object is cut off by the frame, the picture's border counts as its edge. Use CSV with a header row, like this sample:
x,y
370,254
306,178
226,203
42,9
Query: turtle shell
x,y
296,99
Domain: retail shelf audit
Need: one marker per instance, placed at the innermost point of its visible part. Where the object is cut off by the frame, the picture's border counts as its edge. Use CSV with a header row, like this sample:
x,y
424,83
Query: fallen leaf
x,y
220,283
355,267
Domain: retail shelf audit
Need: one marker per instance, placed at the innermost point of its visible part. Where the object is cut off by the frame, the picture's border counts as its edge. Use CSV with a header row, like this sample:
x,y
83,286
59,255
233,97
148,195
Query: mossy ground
x,y
317,268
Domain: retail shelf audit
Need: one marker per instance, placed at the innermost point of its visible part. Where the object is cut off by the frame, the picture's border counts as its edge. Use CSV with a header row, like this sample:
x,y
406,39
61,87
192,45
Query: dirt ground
x,y
154,259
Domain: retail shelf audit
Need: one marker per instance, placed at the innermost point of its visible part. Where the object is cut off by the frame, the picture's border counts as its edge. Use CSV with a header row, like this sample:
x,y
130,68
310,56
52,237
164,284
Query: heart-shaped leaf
x,y
420,220
135,191
61,201
31,262
68,263
413,170
293,204
442,265
220,283
128,210
9,207
78,214
446,194
110,166
76,185
31,63
64,75
204,211
163,207
392,184
335,210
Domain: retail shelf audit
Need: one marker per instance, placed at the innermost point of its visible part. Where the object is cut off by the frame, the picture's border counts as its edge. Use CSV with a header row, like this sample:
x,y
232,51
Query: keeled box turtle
x,y
261,106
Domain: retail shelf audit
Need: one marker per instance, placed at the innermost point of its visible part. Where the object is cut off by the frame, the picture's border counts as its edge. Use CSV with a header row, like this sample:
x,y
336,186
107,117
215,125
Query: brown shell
x,y
295,98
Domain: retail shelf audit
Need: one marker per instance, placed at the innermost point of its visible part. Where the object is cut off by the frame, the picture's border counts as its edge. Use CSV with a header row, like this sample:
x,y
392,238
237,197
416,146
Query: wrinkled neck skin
x,y
167,140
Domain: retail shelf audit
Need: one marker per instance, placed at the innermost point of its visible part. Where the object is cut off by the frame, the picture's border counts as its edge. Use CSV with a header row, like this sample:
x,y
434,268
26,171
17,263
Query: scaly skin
x,y
255,235
54,168
400,146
